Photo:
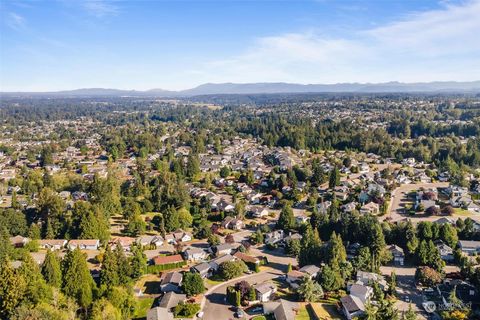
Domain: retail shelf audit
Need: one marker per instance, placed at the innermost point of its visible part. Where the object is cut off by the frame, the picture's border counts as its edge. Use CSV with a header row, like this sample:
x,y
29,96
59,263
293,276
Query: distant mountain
x,y
268,88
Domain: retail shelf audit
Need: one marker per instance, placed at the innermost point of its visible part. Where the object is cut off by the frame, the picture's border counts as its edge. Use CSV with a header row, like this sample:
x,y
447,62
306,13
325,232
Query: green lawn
x,y
303,314
463,212
143,305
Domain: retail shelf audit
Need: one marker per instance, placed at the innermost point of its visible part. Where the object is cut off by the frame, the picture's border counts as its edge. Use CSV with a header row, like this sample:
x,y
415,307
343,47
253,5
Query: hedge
x,y
163,267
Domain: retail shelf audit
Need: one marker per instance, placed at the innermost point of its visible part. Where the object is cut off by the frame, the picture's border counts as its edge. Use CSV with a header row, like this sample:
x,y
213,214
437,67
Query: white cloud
x,y
15,21
439,44
100,8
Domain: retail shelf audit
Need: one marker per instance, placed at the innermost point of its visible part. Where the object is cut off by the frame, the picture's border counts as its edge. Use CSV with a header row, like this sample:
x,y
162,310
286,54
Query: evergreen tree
x,y
138,262
77,281
185,219
51,270
309,290
172,222
286,220
12,289
336,253
37,289
334,179
124,268
109,270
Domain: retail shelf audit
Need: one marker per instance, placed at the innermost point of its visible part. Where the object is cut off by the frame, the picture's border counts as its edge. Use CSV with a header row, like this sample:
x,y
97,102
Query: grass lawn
x,y
259,318
213,282
462,212
325,311
143,305
303,313
149,283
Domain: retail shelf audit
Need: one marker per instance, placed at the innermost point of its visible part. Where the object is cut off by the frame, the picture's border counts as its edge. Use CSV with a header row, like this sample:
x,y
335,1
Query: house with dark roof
x,y
215,263
171,281
265,291
159,313
469,247
171,299
397,253
352,306
281,309
204,269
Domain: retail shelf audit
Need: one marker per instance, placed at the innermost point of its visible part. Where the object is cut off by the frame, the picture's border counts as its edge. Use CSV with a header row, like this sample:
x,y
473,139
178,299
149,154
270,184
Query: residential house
x,y
145,240
182,236
215,263
52,244
352,306
274,236
158,313
122,242
84,244
281,309
194,254
469,247
397,253
265,291
370,208
164,260
445,251
310,270
294,278
224,205
171,299
204,269
259,212
364,293
246,258
232,223
223,249
295,236
171,281
19,241
366,278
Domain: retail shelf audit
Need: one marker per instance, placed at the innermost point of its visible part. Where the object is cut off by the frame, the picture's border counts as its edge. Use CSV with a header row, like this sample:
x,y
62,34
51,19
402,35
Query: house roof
x,y
359,290
352,303
222,259
159,260
469,244
84,242
285,311
52,242
204,266
265,287
171,277
159,313
295,274
310,269
171,300
245,257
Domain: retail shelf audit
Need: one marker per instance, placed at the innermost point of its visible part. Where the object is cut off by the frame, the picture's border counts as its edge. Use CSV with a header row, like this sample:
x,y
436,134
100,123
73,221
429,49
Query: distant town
x,y
261,206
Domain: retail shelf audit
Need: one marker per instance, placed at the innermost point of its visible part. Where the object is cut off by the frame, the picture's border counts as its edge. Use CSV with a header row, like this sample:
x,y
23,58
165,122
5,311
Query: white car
x,y
200,315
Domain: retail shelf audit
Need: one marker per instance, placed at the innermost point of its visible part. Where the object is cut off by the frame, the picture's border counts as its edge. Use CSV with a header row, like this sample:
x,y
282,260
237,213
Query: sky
x,y
178,44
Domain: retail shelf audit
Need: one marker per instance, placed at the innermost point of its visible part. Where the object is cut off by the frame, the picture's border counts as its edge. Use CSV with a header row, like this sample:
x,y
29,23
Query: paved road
x,y
213,303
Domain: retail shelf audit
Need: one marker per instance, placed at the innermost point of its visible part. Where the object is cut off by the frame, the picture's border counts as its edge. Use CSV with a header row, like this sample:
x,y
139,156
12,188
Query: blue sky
x,y
67,44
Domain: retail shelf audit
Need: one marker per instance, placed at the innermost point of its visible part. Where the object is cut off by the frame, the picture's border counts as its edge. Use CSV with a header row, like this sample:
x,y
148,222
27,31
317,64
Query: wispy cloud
x,y
15,21
432,45
100,8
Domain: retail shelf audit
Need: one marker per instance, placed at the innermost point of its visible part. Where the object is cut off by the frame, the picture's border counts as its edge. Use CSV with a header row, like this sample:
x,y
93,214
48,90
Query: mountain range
x,y
268,88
